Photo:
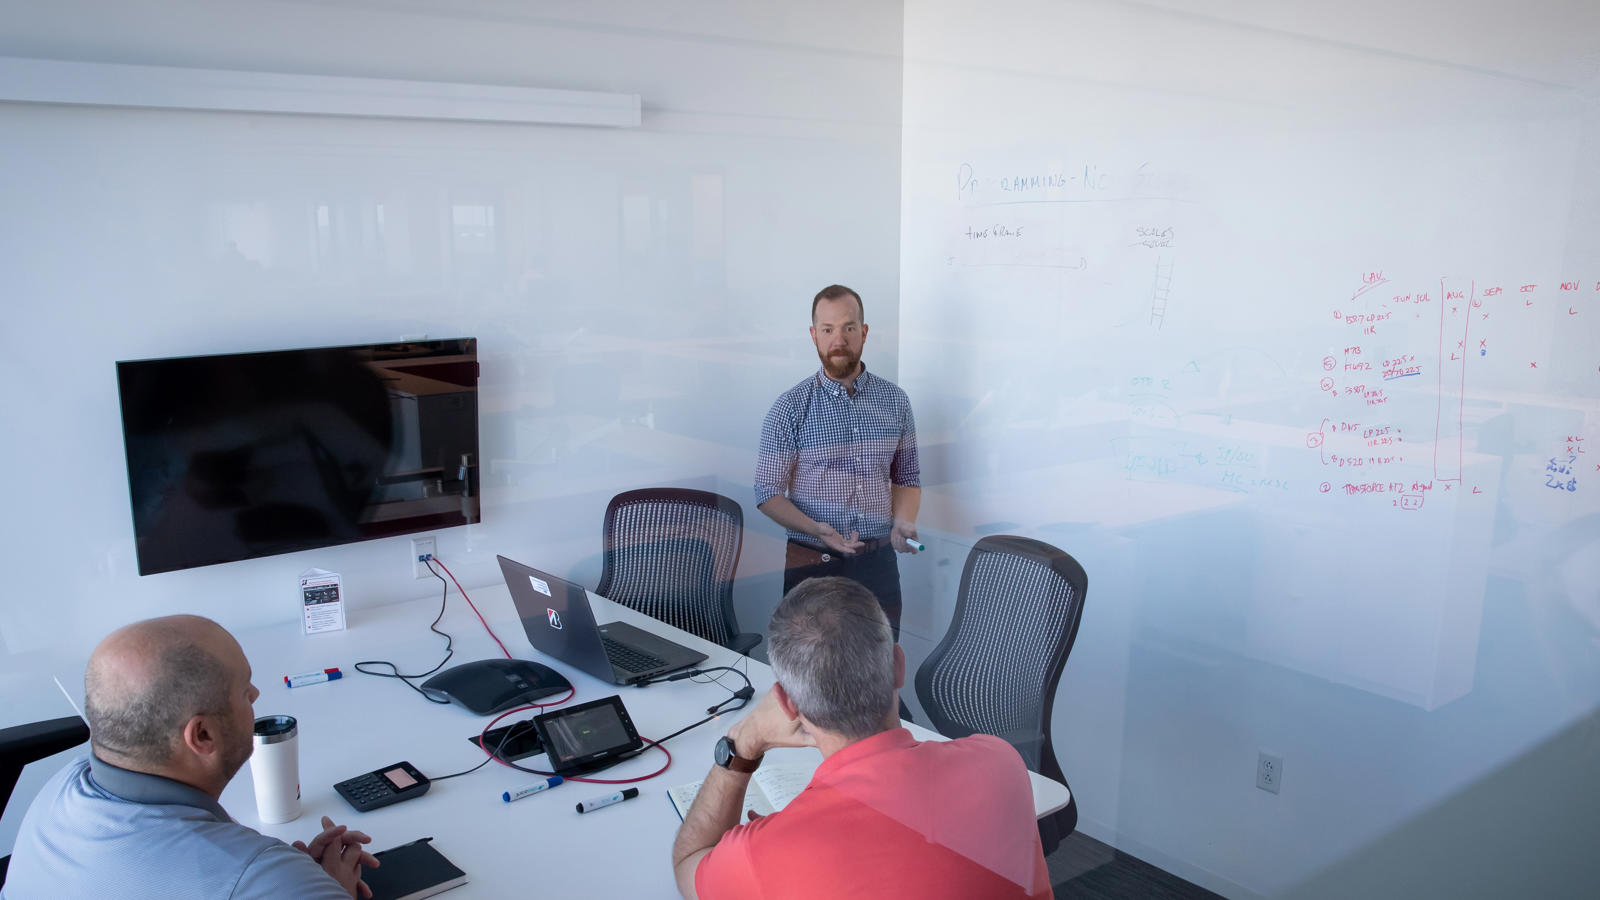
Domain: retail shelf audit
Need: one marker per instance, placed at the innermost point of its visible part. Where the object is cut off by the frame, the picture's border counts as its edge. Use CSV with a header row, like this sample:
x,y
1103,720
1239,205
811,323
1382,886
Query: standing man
x,y
171,721
837,464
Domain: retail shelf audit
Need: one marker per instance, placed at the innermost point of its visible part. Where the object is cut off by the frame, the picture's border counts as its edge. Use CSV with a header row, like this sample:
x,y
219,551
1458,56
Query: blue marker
x,y
531,789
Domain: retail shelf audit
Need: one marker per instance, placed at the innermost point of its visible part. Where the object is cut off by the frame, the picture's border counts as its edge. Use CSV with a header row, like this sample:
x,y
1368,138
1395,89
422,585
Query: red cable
x,y
475,611
664,767
508,765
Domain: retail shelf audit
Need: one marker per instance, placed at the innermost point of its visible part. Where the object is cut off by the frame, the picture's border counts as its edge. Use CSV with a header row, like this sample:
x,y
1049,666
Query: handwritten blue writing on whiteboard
x,y
1557,468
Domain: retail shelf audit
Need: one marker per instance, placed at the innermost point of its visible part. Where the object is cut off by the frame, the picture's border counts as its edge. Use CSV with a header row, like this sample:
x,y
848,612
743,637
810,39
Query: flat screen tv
x,y
253,454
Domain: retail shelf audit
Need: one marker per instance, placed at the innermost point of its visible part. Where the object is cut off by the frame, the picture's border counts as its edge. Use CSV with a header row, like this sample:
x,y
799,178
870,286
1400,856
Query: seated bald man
x,y
169,703
884,815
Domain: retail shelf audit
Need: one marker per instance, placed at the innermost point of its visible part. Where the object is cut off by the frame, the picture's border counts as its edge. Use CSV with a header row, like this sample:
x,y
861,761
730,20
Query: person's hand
x,y
766,726
339,851
847,546
332,833
903,531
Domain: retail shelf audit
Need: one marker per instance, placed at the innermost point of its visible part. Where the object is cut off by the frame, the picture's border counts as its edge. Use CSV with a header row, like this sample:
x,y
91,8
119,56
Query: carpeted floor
x,y
1082,868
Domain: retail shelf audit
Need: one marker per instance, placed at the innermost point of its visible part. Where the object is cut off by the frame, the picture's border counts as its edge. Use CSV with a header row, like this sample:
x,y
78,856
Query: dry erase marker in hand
x,y
531,789
607,800
916,545
305,678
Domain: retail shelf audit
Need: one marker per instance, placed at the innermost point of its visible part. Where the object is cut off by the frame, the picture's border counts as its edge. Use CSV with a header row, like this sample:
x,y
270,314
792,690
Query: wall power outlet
x,y
1269,771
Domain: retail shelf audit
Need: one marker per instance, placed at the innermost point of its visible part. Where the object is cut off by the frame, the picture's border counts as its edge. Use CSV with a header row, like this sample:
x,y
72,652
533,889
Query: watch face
x,y
724,751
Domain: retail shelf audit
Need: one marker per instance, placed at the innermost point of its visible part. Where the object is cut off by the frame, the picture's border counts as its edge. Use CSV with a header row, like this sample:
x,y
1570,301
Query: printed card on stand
x,y
321,601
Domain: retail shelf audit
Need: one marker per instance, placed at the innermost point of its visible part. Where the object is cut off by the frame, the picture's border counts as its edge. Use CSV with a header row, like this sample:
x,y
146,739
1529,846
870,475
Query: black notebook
x,y
412,871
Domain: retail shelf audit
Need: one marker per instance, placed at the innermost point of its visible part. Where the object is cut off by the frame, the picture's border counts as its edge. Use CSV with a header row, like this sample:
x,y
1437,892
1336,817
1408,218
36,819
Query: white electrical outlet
x,y
421,548
1269,771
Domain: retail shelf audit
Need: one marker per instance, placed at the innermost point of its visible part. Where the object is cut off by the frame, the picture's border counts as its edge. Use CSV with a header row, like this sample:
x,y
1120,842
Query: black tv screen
x,y
252,454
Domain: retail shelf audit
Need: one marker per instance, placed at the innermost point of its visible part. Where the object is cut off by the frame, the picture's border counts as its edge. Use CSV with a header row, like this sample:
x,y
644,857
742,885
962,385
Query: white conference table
x,y
540,843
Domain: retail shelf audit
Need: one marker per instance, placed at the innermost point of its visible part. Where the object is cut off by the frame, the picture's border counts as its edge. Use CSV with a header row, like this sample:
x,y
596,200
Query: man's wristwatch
x,y
728,757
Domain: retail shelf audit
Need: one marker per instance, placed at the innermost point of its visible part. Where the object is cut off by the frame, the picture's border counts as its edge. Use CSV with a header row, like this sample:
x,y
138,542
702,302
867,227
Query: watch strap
x,y
740,764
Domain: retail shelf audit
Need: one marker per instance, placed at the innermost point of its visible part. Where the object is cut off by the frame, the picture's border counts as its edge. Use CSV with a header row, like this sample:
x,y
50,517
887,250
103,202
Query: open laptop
x,y
559,621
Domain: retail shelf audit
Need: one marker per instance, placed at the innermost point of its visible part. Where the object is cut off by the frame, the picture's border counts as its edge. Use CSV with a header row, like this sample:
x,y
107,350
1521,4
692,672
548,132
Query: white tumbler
x,y
275,768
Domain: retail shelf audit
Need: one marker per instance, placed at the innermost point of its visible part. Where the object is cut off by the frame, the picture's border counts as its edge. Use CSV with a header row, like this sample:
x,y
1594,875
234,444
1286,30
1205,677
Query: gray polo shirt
x,y
97,830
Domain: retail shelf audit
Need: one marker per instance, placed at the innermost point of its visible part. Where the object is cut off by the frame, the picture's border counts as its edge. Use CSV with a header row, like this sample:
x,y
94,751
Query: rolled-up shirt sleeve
x,y
904,469
776,454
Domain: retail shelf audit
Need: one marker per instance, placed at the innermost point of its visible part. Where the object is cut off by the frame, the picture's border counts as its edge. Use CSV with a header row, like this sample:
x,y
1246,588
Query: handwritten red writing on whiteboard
x,y
1356,376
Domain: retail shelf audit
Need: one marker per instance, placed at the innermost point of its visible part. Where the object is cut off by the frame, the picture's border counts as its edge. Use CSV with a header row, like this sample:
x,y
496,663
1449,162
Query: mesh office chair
x,y
996,670
671,553
23,744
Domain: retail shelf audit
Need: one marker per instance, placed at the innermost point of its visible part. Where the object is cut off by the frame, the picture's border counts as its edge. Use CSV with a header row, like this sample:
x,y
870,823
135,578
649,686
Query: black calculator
x,y
381,787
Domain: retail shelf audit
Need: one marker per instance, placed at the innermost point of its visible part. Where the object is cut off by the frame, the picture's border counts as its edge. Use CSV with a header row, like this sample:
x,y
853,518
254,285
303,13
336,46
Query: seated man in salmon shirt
x,y
885,815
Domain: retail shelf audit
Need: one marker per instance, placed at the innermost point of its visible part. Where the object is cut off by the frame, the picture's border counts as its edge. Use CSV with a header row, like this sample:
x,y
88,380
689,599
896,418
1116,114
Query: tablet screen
x,y
586,732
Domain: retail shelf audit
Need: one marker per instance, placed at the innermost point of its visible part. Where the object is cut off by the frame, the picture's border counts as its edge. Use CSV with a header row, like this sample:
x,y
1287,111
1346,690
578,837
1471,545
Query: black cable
x,y
493,754
694,675
744,693
449,648
718,680
742,696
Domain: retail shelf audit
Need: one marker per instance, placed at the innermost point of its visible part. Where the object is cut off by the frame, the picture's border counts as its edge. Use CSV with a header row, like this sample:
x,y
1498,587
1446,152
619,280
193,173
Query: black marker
x,y
607,800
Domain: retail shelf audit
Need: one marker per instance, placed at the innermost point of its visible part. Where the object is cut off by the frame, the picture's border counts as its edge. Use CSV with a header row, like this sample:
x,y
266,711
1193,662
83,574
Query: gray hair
x,y
143,721
833,652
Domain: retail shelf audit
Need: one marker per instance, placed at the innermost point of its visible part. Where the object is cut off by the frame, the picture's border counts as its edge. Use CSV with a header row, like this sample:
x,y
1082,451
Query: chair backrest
x,y
671,553
996,670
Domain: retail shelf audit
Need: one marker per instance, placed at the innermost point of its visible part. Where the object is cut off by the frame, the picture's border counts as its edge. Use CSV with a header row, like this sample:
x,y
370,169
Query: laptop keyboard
x,y
624,657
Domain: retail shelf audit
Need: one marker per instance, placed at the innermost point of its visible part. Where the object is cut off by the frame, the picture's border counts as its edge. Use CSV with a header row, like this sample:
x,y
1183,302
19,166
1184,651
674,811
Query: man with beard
x,y
169,703
837,463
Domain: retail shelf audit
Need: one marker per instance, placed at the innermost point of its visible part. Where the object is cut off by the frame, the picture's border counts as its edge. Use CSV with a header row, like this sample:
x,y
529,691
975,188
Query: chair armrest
x,y
23,744
34,741
744,643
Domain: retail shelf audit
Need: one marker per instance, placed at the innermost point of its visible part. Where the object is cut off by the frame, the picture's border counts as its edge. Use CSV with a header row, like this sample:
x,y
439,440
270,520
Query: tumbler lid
x,y
275,729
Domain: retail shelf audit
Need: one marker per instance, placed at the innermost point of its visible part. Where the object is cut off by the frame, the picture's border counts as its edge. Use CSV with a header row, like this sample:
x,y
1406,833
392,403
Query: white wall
x,y
640,299
1127,363
643,299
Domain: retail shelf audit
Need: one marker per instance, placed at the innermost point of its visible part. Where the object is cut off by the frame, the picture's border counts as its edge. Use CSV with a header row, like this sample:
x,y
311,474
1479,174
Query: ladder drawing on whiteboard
x,y
1158,299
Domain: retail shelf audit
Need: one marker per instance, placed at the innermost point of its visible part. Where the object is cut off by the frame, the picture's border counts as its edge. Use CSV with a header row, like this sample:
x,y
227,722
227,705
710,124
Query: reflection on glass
x,y
472,228
234,457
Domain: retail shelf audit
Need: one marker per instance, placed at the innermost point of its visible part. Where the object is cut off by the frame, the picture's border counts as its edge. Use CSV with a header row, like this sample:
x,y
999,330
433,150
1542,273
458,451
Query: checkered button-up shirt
x,y
835,455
